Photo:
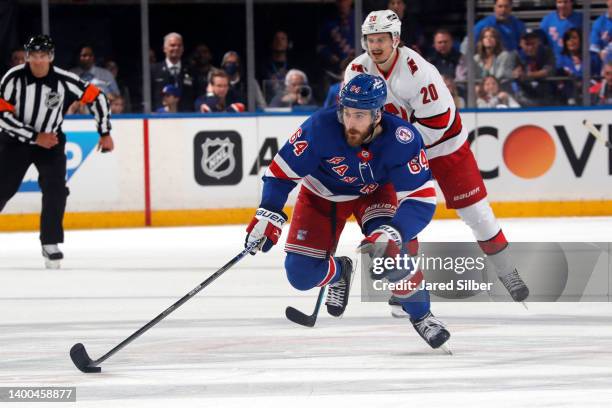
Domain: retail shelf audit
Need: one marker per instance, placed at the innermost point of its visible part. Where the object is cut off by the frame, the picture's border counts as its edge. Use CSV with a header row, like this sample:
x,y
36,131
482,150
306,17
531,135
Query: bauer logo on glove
x,y
265,226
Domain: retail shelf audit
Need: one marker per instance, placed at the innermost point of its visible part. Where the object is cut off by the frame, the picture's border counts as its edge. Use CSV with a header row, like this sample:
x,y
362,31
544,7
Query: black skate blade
x,y
81,359
300,318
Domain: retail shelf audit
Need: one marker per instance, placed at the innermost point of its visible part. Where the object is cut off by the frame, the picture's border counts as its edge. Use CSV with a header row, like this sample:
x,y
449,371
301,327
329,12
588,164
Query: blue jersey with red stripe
x,y
318,155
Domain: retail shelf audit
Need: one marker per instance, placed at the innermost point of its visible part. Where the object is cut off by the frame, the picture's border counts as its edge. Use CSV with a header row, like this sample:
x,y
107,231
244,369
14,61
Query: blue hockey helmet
x,y
364,92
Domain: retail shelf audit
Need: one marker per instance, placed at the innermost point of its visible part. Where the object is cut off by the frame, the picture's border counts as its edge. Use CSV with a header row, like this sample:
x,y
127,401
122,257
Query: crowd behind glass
x,y
514,65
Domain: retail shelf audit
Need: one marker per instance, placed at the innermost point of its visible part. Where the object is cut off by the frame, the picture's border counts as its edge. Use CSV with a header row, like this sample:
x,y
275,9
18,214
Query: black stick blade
x,y
81,359
300,318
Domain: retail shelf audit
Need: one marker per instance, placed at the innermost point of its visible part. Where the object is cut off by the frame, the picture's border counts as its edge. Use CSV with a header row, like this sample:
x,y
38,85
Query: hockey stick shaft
x,y
595,132
177,304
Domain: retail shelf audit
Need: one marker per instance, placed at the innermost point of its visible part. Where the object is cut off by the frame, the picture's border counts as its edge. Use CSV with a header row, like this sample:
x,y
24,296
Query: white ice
x,y
231,346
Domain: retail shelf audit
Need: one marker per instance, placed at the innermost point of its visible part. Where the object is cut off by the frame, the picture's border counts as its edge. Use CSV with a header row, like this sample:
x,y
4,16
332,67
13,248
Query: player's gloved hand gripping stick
x,y
265,227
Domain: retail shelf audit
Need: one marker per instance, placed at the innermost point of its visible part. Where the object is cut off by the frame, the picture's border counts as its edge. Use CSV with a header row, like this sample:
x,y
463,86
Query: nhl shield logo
x,y
53,100
218,158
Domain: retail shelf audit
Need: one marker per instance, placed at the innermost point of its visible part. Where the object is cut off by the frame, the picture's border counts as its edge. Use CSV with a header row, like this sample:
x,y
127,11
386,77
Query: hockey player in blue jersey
x,y
354,159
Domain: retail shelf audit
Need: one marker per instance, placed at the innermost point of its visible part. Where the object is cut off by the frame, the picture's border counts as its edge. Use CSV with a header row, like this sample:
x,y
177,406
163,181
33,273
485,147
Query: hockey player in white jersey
x,y
416,92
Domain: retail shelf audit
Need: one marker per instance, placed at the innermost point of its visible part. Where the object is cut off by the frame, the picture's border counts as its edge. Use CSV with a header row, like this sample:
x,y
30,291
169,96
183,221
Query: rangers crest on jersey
x,y
404,135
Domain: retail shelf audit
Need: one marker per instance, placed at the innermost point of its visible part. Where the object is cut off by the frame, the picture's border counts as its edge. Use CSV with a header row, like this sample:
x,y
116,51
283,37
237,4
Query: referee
x,y
33,99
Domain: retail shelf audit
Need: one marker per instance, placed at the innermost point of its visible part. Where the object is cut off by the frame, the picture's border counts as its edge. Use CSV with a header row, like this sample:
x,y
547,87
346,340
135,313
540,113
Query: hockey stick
x,y
595,132
303,319
83,362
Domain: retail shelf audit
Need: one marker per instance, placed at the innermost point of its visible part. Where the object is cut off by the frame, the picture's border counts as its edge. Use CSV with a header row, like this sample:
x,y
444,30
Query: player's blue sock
x,y
305,272
417,305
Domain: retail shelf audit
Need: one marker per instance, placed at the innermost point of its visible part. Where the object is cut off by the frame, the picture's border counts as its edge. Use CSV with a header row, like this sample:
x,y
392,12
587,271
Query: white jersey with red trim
x,y
417,92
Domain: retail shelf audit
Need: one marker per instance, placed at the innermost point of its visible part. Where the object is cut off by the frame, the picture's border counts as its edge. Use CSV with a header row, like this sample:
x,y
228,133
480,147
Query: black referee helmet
x,y
40,42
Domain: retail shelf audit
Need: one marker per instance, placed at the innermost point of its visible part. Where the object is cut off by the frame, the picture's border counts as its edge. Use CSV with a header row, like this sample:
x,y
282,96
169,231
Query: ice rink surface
x,y
231,346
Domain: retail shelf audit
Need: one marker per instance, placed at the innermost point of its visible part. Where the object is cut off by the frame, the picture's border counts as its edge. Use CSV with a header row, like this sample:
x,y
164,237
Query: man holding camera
x,y
296,93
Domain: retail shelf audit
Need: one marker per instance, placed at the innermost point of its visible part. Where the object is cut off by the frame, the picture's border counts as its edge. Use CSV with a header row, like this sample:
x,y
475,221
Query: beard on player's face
x,y
355,137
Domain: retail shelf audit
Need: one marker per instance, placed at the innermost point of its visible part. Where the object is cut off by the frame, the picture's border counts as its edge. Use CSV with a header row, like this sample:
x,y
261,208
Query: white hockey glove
x,y
384,242
267,225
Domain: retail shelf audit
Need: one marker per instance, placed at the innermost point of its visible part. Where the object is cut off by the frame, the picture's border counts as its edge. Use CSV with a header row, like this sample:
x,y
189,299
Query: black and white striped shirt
x,y
29,105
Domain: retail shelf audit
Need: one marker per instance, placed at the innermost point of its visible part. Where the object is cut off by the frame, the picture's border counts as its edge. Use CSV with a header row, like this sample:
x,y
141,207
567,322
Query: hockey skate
x,y
432,331
338,293
52,255
515,285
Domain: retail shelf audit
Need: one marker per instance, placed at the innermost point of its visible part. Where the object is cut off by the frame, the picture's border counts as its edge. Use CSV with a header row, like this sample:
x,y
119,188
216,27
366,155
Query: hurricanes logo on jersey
x,y
357,67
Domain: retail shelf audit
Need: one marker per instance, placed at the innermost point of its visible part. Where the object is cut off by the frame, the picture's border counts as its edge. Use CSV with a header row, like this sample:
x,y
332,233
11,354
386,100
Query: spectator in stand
x,y
232,67
536,62
443,56
509,27
491,96
17,57
277,63
117,104
570,64
171,97
296,93
152,56
200,66
336,37
602,92
490,59
556,23
124,90
412,33
452,87
275,67
601,33
218,99
172,71
89,72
